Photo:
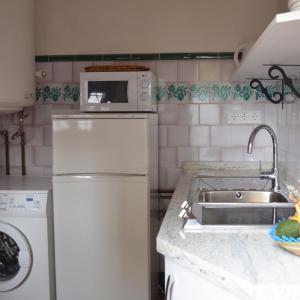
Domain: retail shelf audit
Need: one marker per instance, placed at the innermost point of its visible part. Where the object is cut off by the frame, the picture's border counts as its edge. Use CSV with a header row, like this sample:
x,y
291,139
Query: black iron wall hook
x,y
276,97
256,84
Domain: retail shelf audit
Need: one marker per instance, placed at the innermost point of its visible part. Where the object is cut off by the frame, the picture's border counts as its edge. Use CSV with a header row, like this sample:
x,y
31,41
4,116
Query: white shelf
x,y
278,44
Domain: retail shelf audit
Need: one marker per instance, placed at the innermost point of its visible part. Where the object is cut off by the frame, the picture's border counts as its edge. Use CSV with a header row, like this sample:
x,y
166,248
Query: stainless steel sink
x,y
241,197
235,207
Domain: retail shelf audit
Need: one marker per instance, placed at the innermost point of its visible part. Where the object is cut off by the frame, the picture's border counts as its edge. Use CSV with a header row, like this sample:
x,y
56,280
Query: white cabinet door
x,y
184,284
101,237
100,146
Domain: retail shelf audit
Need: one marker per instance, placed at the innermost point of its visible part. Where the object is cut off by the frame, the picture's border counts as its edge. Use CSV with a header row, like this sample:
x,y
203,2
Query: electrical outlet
x,y
244,117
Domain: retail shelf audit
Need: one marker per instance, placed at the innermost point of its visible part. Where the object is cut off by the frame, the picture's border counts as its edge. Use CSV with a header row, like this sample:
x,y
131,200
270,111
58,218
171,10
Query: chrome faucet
x,y
273,174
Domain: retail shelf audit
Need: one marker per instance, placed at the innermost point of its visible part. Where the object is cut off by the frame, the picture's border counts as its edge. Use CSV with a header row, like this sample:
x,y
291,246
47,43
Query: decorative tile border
x,y
195,92
134,57
57,93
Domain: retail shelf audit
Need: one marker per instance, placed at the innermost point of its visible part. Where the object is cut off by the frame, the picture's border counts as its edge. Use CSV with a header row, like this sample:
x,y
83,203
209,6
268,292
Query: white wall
x,y
147,26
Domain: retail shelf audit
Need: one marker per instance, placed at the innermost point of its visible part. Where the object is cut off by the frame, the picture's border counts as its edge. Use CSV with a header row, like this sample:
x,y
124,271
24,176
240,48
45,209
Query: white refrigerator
x,y
105,203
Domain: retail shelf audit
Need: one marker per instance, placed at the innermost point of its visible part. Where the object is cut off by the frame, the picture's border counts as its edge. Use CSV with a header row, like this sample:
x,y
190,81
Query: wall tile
x,y
232,154
34,135
227,69
177,135
210,114
47,135
48,67
187,70
221,136
187,154
167,113
167,157
62,72
240,135
209,70
209,154
15,155
188,114
167,70
173,175
198,135
43,156
42,114
162,178
78,66
162,136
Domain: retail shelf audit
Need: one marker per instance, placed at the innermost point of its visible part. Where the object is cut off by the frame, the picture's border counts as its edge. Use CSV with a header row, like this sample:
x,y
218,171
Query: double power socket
x,y
244,117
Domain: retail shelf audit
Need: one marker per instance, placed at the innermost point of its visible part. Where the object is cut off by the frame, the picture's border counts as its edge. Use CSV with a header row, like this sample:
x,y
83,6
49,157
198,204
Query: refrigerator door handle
x,y
90,175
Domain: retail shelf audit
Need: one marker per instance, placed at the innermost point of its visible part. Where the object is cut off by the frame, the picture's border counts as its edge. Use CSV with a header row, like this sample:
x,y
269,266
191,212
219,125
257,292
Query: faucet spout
x,y
273,174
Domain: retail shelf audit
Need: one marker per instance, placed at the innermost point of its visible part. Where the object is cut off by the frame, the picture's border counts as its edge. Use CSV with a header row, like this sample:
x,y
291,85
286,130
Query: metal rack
x,y
276,72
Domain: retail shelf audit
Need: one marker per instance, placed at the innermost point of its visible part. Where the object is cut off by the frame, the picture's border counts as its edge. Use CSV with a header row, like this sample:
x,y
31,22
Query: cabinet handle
x,y
169,287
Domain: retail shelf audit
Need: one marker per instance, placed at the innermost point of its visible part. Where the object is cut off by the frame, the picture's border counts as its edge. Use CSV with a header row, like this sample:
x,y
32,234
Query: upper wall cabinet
x,y
279,44
17,77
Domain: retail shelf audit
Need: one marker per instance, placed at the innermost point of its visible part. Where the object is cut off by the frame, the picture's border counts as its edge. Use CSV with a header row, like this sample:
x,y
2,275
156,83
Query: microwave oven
x,y
118,91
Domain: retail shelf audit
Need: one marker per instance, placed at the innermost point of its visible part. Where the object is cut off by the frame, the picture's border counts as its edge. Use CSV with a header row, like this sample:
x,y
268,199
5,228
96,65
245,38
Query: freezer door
x,y
101,238
100,146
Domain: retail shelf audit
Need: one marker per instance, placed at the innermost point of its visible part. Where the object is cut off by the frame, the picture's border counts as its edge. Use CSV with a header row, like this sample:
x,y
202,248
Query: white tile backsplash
x,y
62,72
187,154
188,114
209,154
210,70
167,70
187,70
168,114
221,136
192,126
177,136
198,135
167,157
43,156
210,114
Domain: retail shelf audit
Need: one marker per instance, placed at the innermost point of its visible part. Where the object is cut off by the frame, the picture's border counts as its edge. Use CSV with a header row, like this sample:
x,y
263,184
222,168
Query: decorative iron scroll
x,y
276,97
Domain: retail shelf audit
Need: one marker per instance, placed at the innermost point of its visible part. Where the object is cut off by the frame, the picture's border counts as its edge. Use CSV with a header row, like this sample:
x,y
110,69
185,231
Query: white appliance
x,y
26,239
17,67
105,187
118,91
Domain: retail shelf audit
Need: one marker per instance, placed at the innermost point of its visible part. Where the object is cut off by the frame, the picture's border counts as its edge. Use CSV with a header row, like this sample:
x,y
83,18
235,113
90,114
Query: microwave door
x,y
113,92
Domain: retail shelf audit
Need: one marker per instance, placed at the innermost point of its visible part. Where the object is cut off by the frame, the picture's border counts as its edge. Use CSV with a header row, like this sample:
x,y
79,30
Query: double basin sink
x,y
234,202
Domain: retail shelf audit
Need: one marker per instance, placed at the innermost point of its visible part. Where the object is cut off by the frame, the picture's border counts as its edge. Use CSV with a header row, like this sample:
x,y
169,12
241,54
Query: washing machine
x,y
26,239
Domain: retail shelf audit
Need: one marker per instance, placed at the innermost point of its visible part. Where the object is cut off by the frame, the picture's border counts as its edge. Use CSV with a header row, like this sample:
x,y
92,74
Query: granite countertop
x,y
244,261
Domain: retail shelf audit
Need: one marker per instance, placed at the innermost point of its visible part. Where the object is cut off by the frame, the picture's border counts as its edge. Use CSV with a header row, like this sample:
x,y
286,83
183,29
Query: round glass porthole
x,y
9,257
15,257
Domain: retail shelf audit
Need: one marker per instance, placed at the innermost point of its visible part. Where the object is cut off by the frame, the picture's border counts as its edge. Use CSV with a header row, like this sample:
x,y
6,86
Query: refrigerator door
x,y
101,237
100,145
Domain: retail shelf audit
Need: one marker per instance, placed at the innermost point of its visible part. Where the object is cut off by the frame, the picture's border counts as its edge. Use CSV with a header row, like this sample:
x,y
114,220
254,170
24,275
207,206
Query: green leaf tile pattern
x,y
47,93
53,93
199,92
243,92
160,93
71,93
221,92
178,92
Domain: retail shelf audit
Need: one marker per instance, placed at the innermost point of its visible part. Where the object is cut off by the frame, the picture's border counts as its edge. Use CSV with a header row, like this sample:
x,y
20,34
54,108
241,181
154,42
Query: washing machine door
x,y
15,257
